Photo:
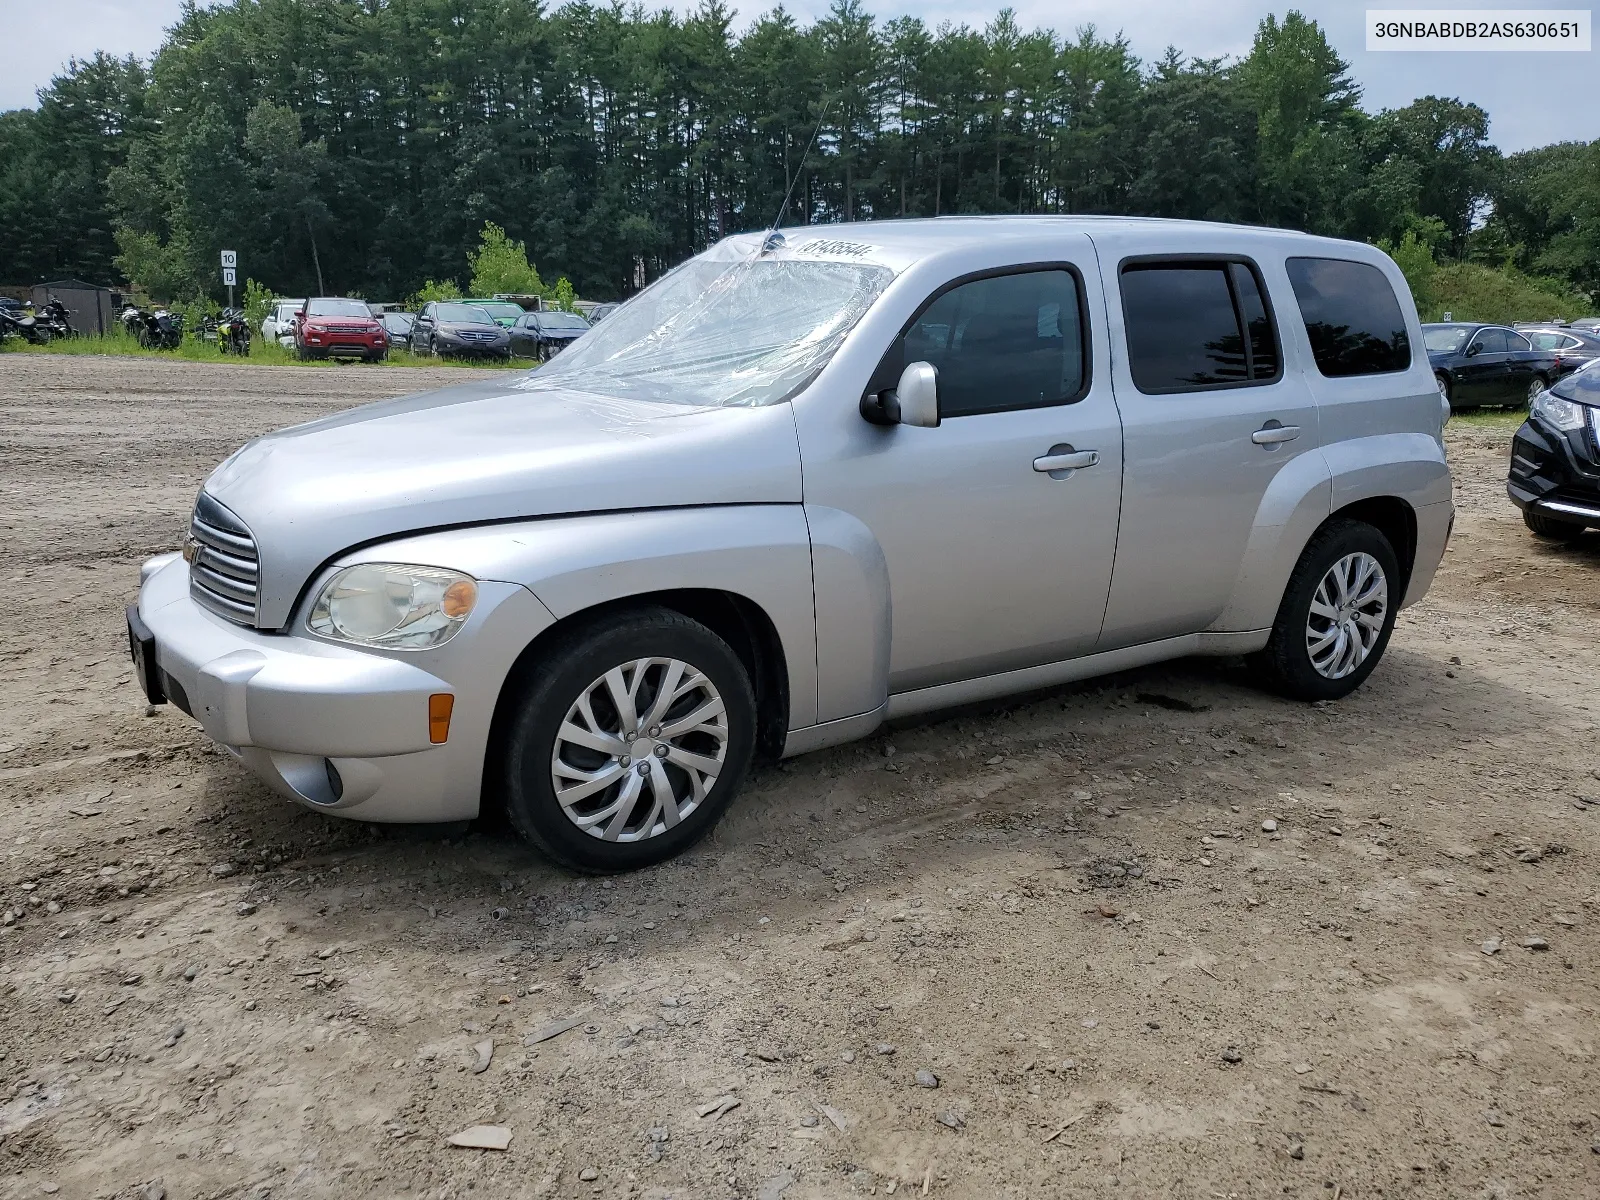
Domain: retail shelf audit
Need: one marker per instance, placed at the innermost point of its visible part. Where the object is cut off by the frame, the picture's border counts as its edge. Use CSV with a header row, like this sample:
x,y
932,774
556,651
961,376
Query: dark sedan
x,y
451,329
542,334
1555,459
1573,348
398,325
1486,364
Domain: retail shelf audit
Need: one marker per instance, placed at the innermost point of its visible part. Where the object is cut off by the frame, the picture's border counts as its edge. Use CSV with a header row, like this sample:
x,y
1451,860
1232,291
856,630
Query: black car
x,y
398,325
1555,459
451,329
1486,364
601,311
542,334
1573,348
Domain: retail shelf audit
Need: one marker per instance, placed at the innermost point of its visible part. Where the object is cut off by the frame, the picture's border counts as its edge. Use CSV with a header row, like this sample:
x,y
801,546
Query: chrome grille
x,y
222,564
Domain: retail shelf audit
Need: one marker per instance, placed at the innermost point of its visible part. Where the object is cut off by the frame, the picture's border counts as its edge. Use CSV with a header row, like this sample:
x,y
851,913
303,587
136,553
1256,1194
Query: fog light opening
x,y
335,780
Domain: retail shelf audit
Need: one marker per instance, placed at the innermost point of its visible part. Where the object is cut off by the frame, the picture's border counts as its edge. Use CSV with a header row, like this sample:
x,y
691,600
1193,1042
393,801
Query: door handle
x,y
1272,433
1064,459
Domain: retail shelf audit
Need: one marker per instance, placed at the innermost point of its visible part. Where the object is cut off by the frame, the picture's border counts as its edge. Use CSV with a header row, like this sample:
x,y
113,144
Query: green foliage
x,y
370,146
159,270
1414,257
258,301
1472,292
433,290
562,295
500,266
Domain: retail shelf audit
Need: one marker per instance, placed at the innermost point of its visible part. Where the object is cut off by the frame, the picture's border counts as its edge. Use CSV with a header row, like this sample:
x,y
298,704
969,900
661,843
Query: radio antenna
x,y
798,171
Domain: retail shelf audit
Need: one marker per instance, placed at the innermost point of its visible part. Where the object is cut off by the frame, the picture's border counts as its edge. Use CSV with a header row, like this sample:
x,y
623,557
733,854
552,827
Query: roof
x,y
899,242
74,285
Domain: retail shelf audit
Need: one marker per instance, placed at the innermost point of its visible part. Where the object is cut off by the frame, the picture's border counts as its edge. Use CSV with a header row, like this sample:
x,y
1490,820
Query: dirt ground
x,y
1066,912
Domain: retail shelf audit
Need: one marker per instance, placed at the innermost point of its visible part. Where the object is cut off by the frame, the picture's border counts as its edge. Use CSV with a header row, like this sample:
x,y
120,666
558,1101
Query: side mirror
x,y
1474,349
912,401
916,397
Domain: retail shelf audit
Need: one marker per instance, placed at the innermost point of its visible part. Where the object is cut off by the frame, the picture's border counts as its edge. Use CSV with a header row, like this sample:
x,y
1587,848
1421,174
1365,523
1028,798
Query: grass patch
x,y
1506,419
194,349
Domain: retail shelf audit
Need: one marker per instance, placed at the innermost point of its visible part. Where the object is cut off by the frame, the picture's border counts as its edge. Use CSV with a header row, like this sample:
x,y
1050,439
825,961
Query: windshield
x,y
338,308
562,320
463,314
745,333
500,310
1444,339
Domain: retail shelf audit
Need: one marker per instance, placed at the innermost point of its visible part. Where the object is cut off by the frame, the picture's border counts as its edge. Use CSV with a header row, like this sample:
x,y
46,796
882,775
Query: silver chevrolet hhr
x,y
807,482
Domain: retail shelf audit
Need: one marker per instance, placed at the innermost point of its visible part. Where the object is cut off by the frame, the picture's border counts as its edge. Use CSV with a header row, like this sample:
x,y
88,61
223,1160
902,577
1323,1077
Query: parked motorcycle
x,y
53,316
16,323
229,330
159,329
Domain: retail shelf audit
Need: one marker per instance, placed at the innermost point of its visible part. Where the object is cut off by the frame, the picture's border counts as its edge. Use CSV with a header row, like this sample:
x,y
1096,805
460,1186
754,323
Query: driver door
x,y
1484,375
999,554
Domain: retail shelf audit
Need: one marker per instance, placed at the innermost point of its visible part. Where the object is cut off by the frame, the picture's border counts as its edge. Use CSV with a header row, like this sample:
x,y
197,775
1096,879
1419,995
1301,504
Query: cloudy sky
x,y
1531,98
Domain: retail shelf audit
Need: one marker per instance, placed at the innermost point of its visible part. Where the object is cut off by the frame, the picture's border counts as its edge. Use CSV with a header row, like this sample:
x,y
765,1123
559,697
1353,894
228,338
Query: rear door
x,y
1523,364
1210,417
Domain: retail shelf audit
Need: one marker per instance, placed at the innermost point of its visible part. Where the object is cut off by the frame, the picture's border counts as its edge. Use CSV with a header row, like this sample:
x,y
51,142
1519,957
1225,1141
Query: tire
x,y
1552,529
577,666
1442,382
377,356
1537,387
1286,664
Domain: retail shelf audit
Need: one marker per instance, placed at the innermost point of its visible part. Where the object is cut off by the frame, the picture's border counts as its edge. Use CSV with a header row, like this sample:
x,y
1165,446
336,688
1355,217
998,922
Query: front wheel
x,y
1336,615
628,742
1442,382
1550,528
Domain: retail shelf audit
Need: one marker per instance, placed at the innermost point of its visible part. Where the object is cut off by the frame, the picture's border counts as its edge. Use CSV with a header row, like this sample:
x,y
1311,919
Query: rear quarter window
x,y
1351,315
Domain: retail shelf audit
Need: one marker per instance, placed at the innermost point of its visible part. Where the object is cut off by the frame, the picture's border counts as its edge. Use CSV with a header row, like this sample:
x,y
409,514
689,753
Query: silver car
x,y
805,483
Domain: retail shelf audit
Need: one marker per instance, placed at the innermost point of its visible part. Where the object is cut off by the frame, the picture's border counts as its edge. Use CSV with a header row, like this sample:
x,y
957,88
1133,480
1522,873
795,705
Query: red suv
x,y
330,327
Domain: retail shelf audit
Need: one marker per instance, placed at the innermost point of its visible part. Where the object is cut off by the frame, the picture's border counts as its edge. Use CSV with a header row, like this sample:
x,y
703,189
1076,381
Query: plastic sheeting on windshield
x,y
721,330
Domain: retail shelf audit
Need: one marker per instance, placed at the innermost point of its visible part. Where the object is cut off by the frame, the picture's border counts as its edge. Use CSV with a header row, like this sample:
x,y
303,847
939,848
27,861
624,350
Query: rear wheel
x,y
1536,388
1336,615
1550,528
629,741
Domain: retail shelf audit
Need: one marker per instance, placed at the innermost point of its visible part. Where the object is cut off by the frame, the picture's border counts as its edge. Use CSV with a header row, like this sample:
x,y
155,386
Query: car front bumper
x,y
1556,475
333,727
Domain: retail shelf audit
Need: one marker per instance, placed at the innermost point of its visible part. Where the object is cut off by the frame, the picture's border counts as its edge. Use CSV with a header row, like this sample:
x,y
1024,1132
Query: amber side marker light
x,y
440,705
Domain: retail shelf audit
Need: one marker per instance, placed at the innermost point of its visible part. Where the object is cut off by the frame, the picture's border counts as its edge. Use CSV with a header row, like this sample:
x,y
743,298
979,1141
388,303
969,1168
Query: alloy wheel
x,y
1536,389
639,749
1347,615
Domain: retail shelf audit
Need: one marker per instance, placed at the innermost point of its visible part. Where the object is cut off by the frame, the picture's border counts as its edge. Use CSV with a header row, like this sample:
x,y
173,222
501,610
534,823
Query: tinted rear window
x,y
1352,317
1196,325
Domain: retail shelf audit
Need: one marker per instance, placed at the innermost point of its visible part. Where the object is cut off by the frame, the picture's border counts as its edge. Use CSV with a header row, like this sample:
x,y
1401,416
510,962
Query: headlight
x,y
1558,413
394,607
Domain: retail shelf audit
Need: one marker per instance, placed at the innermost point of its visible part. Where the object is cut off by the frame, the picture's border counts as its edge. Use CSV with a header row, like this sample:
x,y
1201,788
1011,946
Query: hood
x,y
479,326
483,452
329,319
